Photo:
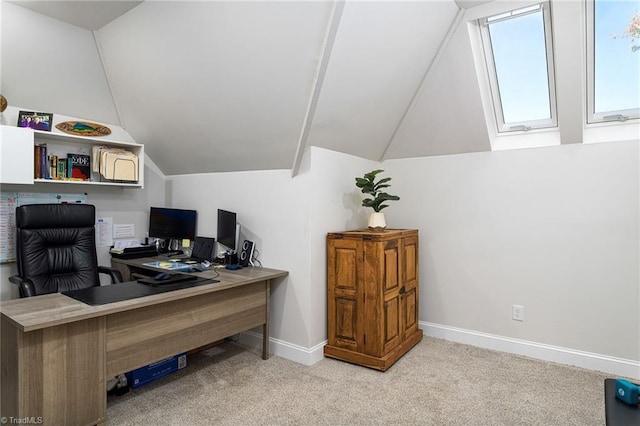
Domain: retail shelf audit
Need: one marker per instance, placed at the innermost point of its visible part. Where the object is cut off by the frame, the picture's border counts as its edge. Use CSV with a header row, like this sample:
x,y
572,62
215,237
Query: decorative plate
x,y
83,128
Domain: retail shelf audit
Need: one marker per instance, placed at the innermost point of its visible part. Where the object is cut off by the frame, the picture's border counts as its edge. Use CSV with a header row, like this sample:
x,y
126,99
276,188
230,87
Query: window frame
x,y
611,117
526,125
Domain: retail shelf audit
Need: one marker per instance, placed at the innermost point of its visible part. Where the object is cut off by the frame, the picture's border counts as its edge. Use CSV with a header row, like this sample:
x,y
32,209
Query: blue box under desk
x,y
147,374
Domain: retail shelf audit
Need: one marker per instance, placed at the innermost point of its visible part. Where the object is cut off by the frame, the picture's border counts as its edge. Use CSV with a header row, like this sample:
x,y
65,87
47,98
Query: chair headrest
x,y
40,216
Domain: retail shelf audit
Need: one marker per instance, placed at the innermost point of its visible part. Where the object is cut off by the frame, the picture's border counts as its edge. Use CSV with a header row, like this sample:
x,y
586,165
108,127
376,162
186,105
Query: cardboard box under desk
x,y
147,374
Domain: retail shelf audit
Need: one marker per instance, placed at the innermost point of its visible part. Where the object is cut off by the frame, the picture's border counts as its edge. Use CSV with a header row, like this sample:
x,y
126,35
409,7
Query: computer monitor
x,y
227,229
174,224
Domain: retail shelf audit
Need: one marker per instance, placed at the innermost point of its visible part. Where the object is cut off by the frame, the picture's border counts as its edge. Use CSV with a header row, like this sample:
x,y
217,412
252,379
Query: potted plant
x,y
368,185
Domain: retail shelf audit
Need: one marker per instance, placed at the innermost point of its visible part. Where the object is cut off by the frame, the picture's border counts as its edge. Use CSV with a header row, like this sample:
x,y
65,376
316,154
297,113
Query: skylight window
x,y
519,57
613,54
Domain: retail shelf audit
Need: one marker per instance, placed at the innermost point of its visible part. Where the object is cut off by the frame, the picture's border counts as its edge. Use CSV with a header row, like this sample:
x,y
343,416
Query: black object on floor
x,y
617,413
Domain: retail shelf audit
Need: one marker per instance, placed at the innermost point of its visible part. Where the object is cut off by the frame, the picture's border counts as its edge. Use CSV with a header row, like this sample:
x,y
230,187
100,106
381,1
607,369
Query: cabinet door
x,y
382,306
344,322
16,155
409,297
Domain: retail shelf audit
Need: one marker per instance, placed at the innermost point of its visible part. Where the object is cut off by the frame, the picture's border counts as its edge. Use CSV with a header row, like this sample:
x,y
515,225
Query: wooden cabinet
x,y
372,300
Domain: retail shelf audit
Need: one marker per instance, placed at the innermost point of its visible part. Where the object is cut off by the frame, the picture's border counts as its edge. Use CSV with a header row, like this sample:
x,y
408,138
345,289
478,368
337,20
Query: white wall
x,y
288,219
552,229
51,66
273,211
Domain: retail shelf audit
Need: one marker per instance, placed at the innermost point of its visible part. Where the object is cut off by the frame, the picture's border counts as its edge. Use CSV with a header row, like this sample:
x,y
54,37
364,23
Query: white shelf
x,y
87,182
61,144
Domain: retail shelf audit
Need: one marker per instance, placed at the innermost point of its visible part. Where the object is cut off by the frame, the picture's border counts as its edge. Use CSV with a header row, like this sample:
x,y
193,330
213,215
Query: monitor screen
x,y
227,229
174,224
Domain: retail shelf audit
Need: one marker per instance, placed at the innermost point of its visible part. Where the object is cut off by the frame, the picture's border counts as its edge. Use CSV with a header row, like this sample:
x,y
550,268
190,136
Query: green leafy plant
x,y
368,185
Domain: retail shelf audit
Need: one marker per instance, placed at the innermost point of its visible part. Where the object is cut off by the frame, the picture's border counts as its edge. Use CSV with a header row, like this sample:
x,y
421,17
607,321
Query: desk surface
x,y
49,310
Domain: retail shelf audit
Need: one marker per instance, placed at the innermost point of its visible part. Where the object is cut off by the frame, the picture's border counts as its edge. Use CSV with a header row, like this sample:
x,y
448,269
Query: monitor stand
x,y
168,246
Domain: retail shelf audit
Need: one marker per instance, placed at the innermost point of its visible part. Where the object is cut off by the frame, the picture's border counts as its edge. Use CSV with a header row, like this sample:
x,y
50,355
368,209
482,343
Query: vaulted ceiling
x,y
211,86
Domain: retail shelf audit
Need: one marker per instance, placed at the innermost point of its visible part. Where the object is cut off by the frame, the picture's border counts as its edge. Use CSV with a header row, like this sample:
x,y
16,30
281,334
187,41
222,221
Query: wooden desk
x,y
57,352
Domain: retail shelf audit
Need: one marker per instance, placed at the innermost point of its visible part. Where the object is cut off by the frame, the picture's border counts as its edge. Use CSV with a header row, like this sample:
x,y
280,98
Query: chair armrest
x,y
25,285
116,275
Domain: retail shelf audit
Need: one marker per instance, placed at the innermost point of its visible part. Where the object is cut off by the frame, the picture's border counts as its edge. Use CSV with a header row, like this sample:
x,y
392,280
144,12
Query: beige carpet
x,y
436,383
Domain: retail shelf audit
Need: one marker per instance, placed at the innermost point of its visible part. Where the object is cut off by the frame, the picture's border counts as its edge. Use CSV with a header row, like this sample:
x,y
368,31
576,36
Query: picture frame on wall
x,y
35,120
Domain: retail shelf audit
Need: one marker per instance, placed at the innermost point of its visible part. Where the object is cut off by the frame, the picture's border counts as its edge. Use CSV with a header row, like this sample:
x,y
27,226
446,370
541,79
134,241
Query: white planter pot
x,y
377,222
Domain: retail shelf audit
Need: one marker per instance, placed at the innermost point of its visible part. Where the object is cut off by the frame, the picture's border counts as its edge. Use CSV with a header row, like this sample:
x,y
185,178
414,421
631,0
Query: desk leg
x,y
265,326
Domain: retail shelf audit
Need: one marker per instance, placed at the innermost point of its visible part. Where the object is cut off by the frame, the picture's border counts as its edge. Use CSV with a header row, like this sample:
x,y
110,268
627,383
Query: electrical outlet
x,y
518,312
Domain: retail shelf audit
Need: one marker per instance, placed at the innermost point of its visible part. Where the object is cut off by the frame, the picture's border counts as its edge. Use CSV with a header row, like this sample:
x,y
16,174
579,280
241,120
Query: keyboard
x,y
173,253
177,278
192,259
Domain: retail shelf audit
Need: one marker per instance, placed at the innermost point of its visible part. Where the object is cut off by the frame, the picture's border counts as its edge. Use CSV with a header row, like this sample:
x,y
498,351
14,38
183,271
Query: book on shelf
x,y
62,168
79,166
40,164
44,165
53,166
36,161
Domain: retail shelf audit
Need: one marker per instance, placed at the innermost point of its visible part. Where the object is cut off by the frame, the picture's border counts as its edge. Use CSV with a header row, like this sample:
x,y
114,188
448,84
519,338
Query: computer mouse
x,y
162,276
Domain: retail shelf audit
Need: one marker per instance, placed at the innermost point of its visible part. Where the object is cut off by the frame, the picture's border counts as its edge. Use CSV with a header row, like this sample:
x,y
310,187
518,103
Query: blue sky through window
x,y
521,67
617,67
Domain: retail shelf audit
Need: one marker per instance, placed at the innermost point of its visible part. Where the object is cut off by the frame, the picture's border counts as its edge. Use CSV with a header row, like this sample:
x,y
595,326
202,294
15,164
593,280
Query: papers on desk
x,y
123,244
172,266
133,251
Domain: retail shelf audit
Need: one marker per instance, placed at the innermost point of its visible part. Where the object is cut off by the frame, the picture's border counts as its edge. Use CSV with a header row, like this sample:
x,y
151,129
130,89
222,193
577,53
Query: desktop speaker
x,y
245,257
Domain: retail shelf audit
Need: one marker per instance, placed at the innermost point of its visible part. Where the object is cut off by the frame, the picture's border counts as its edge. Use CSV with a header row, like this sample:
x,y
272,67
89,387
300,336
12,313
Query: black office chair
x,y
56,249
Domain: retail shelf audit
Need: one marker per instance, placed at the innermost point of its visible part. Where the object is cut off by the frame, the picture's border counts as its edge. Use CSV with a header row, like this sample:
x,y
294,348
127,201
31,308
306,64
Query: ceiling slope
x,y
381,53
447,115
233,82
215,86
90,15
51,66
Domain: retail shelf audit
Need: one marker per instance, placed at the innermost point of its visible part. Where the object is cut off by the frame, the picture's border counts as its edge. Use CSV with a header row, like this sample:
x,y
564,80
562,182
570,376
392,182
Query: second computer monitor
x,y
227,229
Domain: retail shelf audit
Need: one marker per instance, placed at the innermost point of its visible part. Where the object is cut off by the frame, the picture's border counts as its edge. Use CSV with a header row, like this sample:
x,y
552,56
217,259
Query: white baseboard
x,y
604,363
607,364
284,349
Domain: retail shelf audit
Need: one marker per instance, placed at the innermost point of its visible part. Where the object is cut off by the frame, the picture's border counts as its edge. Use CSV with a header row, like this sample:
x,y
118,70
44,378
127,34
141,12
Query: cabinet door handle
x,y
402,290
